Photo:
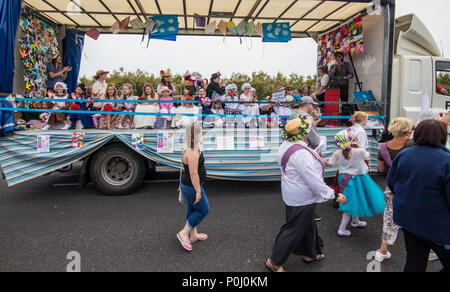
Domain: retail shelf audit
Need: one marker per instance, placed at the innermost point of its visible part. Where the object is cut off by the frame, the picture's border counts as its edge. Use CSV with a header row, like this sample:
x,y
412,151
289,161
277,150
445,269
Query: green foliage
x,y
264,84
443,80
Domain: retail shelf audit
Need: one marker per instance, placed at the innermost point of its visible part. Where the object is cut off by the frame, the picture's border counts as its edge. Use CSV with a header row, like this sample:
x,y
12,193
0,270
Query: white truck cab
x,y
417,72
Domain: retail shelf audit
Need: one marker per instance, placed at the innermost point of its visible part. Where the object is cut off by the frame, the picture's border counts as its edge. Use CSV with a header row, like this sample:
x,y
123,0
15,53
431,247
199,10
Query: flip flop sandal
x,y
317,259
200,237
183,243
271,267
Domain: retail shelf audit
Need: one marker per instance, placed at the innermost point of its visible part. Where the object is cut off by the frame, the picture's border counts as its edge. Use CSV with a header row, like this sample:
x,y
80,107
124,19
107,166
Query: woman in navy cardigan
x,y
420,182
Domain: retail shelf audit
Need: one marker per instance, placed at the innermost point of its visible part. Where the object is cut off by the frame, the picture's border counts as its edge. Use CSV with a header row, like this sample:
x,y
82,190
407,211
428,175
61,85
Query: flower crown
x,y
345,139
304,128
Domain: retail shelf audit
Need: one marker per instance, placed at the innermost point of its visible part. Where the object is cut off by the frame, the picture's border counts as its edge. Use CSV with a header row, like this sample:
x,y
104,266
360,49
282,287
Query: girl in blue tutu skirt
x,y
364,196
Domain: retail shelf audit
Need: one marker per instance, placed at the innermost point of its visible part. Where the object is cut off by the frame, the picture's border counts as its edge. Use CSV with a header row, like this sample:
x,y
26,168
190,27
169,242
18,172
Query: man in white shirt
x,y
99,88
302,188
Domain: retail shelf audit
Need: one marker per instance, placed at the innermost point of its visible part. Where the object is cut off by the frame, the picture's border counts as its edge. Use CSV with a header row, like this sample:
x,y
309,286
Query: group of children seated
x,y
161,110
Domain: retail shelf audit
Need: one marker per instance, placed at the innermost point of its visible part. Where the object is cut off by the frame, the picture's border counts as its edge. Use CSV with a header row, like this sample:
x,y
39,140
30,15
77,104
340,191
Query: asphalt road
x,y
42,220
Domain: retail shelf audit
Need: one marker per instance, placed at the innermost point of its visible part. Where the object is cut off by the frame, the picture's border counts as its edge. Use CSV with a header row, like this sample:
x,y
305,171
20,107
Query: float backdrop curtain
x,y
9,19
73,46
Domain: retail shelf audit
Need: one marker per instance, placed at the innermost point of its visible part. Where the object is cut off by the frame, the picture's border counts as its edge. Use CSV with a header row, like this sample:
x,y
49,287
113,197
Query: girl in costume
x,y
249,108
147,122
364,196
187,108
359,120
86,119
166,107
166,82
128,107
56,117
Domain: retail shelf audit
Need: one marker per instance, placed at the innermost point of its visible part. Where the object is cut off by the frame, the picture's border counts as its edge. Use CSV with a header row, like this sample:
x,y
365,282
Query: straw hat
x,y
296,129
100,72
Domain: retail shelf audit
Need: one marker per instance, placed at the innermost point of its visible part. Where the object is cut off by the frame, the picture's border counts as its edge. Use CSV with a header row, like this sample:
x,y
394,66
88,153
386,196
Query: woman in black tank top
x,y
191,185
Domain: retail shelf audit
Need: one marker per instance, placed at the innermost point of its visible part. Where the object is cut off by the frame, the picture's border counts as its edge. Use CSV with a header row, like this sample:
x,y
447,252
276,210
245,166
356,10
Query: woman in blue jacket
x,y
419,179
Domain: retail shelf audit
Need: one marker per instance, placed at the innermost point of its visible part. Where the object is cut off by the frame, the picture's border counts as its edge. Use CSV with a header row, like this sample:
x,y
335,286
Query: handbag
x,y
180,194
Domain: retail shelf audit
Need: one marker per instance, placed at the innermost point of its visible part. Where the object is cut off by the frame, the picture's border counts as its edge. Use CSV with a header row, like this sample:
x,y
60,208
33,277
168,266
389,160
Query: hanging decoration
x,y
232,26
222,26
277,32
211,27
93,33
124,23
36,46
115,28
199,20
348,38
259,29
168,27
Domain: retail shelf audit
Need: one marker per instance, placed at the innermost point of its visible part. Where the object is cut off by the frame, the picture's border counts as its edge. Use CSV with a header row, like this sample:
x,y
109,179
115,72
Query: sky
x,y
211,54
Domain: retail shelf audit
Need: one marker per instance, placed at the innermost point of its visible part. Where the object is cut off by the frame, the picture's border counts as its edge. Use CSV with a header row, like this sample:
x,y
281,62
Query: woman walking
x,y
419,179
302,187
401,129
191,184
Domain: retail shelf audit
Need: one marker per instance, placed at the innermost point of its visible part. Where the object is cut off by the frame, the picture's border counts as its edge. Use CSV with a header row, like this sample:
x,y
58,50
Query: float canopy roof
x,y
307,17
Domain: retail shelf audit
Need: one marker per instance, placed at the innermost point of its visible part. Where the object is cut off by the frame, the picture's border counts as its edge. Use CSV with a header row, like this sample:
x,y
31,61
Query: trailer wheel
x,y
117,170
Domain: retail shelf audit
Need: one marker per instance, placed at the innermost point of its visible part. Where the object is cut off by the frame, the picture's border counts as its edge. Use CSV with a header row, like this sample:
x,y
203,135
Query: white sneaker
x,y
359,224
66,127
46,128
344,233
381,257
433,256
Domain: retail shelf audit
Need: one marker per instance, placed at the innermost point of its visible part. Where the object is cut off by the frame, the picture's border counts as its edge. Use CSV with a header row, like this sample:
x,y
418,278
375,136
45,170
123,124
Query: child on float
x,y
186,108
166,107
231,108
266,109
127,107
249,108
364,196
147,121
60,92
205,102
282,110
108,121
218,121
88,105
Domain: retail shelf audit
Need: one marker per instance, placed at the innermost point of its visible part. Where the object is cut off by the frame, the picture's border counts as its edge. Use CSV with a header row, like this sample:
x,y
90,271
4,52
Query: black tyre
x,y
116,170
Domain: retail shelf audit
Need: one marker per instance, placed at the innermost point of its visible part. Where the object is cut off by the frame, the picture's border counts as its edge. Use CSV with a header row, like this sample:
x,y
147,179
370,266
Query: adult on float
x,y
421,196
401,129
166,82
340,74
214,90
55,72
302,187
322,85
191,185
99,88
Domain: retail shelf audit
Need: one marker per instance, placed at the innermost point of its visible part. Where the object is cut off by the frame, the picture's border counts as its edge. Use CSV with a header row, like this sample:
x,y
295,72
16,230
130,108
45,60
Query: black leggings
x,y
417,251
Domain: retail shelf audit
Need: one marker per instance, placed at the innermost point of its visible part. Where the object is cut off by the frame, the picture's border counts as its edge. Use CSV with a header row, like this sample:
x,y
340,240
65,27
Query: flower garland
x,y
344,139
304,128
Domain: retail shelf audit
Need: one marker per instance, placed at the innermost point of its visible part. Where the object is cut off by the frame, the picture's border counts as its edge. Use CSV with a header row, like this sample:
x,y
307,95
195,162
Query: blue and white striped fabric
x,y
21,162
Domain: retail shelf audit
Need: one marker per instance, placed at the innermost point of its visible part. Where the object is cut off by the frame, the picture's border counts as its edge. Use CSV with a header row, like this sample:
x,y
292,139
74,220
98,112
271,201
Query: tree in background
x,y
264,84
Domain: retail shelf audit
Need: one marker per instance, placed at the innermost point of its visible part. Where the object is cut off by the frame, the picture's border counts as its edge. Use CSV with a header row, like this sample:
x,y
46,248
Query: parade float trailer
x,y
117,161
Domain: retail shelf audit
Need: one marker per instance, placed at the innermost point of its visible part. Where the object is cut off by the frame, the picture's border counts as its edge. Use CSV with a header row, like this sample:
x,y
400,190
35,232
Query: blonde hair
x,y
400,127
360,117
129,86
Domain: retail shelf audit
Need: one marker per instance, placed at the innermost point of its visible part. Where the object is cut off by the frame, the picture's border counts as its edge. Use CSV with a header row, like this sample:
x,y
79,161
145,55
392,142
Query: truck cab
x,y
421,76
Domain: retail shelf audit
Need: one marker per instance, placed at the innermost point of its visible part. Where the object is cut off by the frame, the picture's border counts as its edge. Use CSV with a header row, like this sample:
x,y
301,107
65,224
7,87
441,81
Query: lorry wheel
x,y
117,170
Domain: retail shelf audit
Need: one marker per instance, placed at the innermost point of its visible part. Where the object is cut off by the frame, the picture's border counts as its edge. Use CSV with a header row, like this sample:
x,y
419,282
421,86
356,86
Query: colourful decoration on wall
x,y
348,38
277,32
36,45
